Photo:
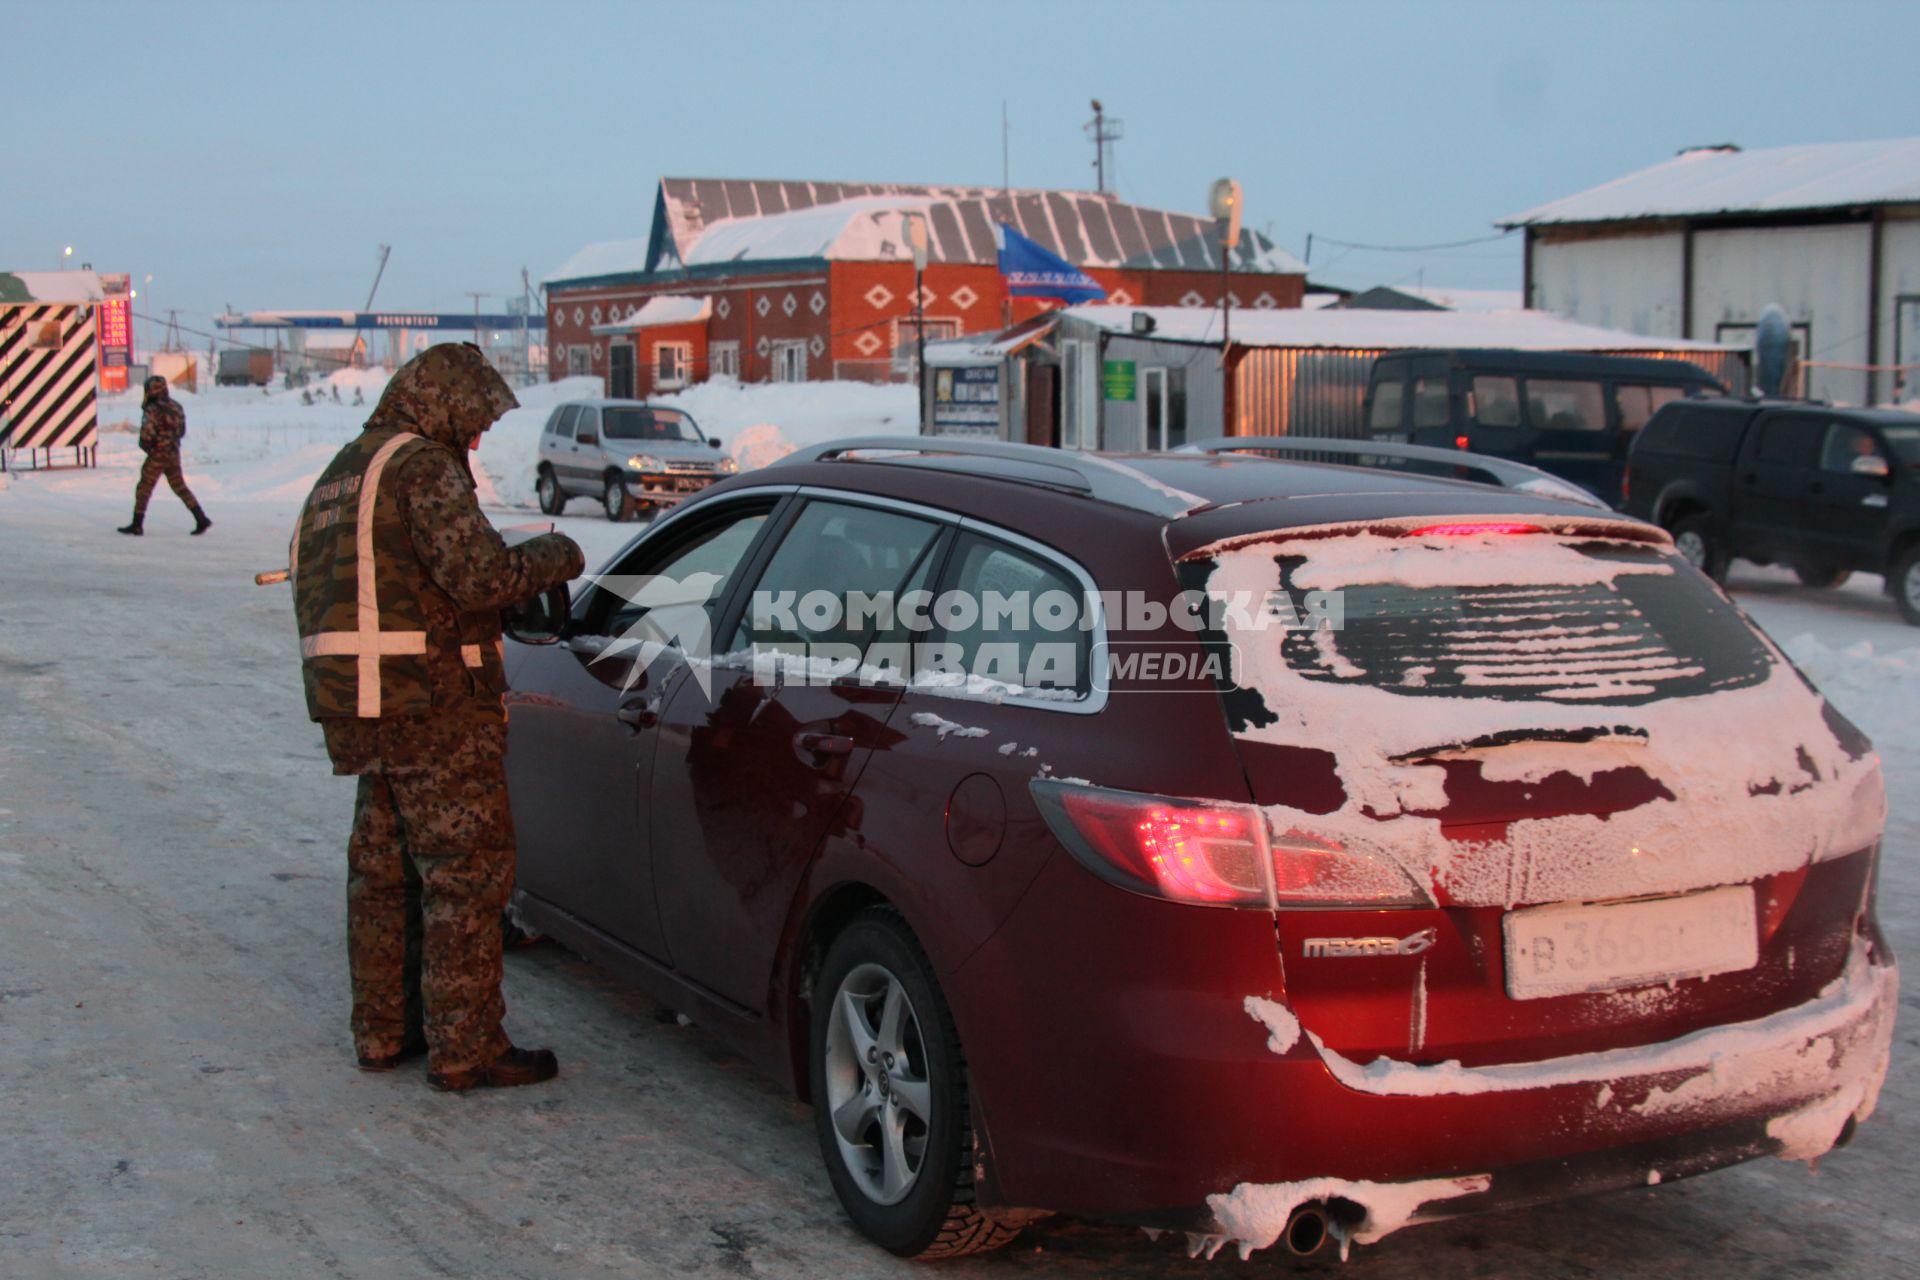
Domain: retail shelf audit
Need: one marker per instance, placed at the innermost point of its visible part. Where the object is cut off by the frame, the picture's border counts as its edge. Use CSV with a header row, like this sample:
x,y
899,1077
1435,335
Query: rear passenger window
x,y
1635,406
1430,403
1386,406
1788,441
1565,406
1496,402
1014,618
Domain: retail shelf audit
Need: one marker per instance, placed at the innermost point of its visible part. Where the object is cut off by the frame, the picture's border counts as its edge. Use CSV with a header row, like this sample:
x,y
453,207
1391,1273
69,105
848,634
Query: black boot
x,y
200,522
135,528
512,1068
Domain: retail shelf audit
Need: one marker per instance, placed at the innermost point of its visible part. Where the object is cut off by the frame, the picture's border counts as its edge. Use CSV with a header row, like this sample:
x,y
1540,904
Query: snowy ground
x,y
176,1090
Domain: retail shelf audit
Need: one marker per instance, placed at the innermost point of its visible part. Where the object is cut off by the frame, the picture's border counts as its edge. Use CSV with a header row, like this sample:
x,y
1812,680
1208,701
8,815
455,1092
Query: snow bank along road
x,y
177,1093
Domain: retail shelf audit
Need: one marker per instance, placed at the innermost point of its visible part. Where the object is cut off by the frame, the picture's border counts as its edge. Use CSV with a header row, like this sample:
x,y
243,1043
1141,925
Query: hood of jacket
x,y
448,393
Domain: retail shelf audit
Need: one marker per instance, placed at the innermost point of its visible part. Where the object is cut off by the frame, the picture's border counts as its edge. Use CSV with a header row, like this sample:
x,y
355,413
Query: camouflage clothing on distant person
x,y
162,423
399,580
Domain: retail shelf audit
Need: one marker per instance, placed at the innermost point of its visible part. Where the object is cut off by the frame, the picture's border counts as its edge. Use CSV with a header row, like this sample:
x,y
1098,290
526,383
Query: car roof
x,y
1736,404
1566,362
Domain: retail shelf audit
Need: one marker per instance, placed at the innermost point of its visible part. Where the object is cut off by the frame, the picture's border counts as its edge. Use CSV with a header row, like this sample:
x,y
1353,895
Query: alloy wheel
x,y
878,1093
1692,548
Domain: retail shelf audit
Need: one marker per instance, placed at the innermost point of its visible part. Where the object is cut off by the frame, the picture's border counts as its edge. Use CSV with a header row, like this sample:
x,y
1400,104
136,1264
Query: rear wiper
x,y
1619,734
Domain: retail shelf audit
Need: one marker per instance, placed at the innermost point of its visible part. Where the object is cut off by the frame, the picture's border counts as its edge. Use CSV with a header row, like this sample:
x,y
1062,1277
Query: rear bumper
x,y
1790,1085
1123,1085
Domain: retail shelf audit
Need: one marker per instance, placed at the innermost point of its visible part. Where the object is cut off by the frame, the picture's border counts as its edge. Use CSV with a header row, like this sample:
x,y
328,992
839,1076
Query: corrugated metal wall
x,y
1295,391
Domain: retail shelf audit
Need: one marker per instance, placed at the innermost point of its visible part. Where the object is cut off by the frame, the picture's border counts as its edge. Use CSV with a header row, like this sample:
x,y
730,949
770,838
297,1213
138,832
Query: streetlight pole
x,y
1223,201
916,233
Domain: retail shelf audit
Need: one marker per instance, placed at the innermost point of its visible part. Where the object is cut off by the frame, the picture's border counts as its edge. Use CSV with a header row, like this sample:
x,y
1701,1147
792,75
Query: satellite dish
x,y
1772,349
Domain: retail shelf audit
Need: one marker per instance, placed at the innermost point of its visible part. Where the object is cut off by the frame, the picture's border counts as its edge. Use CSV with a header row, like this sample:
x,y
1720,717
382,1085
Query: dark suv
x,y
1282,853
1825,491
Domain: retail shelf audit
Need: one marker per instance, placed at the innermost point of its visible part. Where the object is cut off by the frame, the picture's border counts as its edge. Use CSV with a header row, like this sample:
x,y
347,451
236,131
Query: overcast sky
x,y
258,153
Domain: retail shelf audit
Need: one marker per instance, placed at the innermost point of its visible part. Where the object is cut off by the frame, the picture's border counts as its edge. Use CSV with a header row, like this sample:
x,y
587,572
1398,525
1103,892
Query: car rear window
x,y
1530,618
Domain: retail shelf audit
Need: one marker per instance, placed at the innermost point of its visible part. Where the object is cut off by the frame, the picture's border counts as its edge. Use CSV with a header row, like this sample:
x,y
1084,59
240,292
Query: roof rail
x,y
1102,479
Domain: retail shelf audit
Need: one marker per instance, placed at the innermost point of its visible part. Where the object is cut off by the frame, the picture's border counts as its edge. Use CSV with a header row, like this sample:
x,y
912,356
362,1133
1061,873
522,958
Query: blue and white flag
x,y
1032,272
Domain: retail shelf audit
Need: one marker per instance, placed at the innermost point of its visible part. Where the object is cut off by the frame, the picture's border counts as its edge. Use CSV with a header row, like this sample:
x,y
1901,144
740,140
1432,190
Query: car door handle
x,y
824,744
639,715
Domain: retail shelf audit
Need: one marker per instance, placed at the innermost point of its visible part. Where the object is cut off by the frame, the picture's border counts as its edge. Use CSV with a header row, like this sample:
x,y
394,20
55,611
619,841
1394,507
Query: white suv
x,y
630,455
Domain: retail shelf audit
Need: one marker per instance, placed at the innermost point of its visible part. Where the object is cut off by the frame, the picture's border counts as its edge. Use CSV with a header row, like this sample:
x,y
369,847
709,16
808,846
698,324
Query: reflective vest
x,y
357,588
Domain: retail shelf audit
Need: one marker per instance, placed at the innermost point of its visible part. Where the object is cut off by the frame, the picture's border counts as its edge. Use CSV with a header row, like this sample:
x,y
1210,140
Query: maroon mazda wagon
x,y
1280,853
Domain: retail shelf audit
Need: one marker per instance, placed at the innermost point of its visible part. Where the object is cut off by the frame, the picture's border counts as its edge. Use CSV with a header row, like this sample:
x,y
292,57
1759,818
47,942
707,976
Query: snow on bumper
x,y
1807,1071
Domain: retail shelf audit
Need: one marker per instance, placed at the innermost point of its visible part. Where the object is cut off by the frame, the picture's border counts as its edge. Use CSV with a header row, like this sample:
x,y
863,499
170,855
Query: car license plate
x,y
1555,951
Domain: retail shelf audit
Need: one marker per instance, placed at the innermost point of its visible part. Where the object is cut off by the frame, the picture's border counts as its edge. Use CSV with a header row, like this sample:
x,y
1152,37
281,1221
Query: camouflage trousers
x,y
430,867
161,463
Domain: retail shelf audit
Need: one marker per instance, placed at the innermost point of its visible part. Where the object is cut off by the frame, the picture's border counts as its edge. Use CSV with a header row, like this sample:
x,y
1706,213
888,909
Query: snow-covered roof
x,y
1086,228
984,348
708,221
605,258
864,229
1711,180
50,286
671,308
1384,330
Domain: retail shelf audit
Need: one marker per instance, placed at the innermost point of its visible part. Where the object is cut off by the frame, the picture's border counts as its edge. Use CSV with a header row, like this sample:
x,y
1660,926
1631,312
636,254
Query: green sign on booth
x,y
1119,378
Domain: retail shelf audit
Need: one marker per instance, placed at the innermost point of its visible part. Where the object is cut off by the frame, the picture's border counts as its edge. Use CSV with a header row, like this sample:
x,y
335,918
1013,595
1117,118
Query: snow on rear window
x,y
1521,617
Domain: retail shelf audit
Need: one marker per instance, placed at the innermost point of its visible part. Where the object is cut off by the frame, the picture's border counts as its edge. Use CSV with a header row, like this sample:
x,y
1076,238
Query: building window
x,y
790,362
723,360
670,364
580,361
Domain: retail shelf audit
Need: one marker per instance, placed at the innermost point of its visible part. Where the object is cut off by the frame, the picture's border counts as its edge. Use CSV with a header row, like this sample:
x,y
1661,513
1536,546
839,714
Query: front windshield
x,y
1905,442
649,424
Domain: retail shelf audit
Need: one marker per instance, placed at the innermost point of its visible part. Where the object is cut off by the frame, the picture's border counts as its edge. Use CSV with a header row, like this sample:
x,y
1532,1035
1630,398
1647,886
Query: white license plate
x,y
1557,951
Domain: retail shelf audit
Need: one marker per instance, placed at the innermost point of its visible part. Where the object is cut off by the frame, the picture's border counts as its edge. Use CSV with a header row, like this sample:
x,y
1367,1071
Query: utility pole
x,y
479,339
1104,132
1006,182
379,271
526,345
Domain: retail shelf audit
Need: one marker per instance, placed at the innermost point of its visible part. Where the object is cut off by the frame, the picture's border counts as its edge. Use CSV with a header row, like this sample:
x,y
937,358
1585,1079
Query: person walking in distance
x,y
162,423
399,580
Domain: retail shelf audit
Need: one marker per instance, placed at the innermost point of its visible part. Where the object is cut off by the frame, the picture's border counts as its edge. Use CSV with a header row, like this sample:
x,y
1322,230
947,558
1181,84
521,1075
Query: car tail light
x,y
1212,854
1473,529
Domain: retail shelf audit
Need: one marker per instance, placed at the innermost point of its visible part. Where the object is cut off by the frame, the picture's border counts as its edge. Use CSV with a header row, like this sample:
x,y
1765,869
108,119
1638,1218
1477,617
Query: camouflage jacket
x,y
400,638
162,423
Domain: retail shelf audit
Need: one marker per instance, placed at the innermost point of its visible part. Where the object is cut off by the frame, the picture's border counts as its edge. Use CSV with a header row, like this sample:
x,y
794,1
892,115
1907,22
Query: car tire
x,y
1693,538
615,501
1821,576
553,499
914,1196
1904,584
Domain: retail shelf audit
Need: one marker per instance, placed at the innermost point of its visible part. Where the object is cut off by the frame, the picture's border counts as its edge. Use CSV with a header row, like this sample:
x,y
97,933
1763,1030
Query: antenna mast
x,y
1104,132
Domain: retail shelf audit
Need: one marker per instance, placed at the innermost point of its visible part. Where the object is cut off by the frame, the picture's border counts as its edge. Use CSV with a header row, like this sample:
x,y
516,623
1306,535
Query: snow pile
x,y
943,727
1283,1028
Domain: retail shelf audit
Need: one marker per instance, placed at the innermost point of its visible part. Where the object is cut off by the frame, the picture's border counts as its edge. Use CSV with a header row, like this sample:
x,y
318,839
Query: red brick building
x,y
792,281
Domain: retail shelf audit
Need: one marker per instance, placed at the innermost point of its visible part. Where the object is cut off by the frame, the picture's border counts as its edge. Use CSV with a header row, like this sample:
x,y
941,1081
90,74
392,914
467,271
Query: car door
x,y
583,721
1848,495
1771,517
753,771
584,469
1568,418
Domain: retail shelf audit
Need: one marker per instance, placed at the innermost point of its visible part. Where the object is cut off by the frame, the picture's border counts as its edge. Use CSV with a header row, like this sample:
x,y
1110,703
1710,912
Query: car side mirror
x,y
713,442
587,437
1871,464
545,619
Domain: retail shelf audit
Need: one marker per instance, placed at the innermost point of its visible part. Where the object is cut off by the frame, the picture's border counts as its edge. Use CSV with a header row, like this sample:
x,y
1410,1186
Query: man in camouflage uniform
x,y
399,580
162,423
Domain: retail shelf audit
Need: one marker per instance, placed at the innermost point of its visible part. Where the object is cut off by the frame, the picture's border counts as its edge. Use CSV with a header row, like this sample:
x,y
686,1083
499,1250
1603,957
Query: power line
x,y
1403,248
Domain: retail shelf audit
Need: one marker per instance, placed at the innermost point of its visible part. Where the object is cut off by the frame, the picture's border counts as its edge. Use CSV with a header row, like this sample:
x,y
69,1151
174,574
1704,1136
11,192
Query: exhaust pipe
x,y
1307,1230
